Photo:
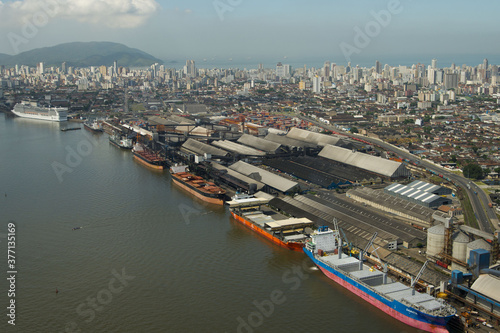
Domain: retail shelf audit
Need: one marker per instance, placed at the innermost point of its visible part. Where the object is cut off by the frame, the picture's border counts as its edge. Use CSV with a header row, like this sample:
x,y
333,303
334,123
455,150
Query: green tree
x,y
473,171
354,130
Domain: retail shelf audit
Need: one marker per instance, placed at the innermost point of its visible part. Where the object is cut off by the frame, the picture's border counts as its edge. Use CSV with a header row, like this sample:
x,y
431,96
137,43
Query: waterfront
x,y
190,268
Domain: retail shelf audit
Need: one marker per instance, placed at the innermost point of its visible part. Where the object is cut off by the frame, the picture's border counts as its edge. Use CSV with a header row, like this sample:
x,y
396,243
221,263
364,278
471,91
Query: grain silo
x,y
477,244
435,240
460,241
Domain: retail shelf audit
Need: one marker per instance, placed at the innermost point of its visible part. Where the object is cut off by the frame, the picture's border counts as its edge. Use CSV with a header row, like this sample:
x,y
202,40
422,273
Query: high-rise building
x,y
326,69
378,67
39,68
63,67
316,84
280,70
485,64
190,68
434,63
450,81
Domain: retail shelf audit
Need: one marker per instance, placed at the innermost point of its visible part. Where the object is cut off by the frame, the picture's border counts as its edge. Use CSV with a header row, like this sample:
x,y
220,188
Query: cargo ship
x,y
120,141
148,158
401,302
93,126
33,111
196,185
288,233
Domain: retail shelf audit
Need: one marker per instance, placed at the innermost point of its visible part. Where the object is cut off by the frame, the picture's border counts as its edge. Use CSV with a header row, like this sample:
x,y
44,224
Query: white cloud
x,y
111,13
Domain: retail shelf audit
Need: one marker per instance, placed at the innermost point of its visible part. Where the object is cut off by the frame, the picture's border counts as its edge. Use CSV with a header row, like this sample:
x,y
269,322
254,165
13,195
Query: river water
x,y
148,257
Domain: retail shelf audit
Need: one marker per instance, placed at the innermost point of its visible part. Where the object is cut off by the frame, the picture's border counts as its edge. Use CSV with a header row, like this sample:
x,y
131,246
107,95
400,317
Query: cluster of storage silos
x,y
461,245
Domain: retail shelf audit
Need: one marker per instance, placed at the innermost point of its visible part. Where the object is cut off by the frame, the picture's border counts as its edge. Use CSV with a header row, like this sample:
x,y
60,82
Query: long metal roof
x,y
312,137
413,193
259,143
288,141
371,163
428,187
280,183
488,285
201,148
237,175
237,148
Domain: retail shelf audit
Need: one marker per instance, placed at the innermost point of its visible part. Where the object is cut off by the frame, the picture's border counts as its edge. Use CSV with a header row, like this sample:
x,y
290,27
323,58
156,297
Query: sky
x,y
290,31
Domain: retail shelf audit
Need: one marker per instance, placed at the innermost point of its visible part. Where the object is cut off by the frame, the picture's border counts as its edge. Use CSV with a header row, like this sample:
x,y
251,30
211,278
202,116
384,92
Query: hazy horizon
x,y
267,32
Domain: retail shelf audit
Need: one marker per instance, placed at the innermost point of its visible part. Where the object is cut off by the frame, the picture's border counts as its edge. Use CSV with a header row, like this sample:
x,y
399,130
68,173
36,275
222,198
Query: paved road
x,y
486,216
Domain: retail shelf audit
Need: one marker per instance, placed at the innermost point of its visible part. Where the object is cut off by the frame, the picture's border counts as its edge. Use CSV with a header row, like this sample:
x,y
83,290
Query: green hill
x,y
82,54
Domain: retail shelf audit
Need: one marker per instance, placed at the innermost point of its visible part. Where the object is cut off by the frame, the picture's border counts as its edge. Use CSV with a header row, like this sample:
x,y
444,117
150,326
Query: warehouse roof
x,y
280,183
488,285
371,163
259,143
237,175
315,138
287,141
237,148
428,187
200,148
413,193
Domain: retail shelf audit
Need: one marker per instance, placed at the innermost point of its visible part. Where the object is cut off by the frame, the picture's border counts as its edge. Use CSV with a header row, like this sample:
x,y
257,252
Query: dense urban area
x,y
404,158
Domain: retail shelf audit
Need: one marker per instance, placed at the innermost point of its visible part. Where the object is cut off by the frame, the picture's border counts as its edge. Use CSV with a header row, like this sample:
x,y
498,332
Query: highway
x,y
486,216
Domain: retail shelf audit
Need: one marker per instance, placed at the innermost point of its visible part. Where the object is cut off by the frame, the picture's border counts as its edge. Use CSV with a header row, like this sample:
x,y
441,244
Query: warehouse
x,y
292,144
238,149
195,147
315,138
411,194
431,188
415,214
358,224
320,171
377,165
274,183
261,144
234,179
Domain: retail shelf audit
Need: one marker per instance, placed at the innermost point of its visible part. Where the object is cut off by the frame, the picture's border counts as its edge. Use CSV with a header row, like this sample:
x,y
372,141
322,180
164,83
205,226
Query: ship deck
x,y
374,279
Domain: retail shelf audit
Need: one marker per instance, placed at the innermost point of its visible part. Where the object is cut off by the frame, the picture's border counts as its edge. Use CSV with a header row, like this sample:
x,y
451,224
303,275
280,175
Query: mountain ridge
x,y
82,54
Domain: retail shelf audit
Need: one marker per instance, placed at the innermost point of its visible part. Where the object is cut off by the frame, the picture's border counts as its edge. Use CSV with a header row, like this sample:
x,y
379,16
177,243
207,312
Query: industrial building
x,y
317,139
479,289
321,172
417,215
414,195
199,148
269,147
238,149
431,188
358,224
292,144
234,179
273,183
385,168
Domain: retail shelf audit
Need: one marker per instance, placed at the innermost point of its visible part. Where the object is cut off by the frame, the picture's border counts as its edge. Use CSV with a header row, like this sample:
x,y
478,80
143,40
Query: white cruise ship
x,y
33,111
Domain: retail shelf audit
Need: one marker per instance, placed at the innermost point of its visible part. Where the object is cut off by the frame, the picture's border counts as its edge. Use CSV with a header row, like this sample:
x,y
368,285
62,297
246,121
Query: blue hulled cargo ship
x,y
416,309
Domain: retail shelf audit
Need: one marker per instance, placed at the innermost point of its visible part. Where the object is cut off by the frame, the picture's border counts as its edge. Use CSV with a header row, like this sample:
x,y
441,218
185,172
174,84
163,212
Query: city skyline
x,y
292,32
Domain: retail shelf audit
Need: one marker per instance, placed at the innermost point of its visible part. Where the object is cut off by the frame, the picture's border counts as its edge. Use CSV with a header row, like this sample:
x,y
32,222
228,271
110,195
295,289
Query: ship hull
x,y
183,185
294,246
147,163
393,308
